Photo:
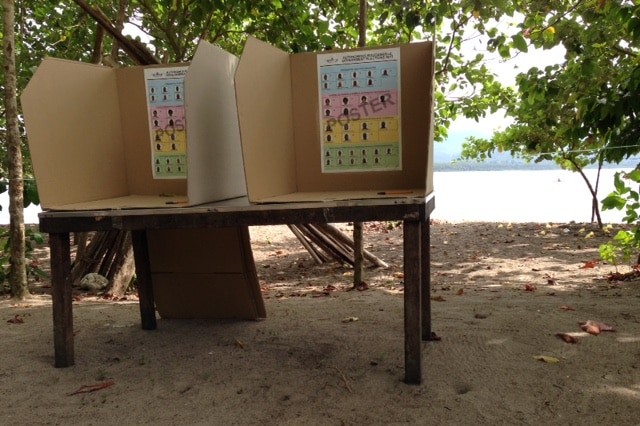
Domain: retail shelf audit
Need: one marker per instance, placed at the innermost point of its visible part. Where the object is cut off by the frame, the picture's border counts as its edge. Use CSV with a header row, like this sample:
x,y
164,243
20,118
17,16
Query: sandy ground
x,y
328,356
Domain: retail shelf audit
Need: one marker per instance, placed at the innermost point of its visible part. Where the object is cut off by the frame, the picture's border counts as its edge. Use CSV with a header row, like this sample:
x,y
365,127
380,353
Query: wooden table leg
x,y
60,256
425,241
143,277
412,302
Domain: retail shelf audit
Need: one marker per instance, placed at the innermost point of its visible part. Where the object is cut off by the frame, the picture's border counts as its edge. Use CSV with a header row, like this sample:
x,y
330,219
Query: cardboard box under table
x,y
160,136
336,125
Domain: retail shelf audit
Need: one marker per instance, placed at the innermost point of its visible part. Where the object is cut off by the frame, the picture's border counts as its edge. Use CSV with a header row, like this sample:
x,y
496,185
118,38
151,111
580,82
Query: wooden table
x,y
414,212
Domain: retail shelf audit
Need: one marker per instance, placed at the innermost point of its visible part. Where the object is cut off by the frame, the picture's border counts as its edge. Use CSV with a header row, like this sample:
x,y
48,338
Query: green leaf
x,y
634,175
384,17
613,202
30,193
588,67
412,19
323,27
520,43
327,40
504,51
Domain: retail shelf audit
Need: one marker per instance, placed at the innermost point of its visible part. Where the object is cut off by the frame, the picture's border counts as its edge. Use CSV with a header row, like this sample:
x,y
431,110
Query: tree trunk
x,y
19,284
362,24
357,226
119,26
595,210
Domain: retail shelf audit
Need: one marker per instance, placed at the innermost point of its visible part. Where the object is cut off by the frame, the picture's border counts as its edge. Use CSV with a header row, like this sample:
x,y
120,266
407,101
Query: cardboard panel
x,y
134,114
185,295
216,169
263,90
89,135
197,250
73,126
204,273
309,183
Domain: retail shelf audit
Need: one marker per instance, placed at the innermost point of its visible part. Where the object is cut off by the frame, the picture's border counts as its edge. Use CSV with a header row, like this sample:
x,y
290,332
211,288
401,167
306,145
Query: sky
x,y
506,72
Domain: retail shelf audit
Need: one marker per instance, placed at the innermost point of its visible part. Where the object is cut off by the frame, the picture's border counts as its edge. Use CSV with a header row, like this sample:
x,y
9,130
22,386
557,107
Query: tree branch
x,y
458,25
624,51
362,24
167,35
138,54
570,10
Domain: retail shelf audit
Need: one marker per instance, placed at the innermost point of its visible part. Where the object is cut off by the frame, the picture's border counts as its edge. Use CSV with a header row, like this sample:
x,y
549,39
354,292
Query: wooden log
x,y
86,258
307,245
314,243
122,269
337,234
333,242
111,253
97,256
327,244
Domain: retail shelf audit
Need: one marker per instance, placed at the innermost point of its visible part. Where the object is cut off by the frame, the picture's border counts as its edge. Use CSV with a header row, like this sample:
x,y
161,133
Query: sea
x,y
556,196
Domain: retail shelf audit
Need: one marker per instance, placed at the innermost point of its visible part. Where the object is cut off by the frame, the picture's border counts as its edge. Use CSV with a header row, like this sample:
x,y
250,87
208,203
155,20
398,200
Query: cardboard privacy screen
x,y
336,125
136,137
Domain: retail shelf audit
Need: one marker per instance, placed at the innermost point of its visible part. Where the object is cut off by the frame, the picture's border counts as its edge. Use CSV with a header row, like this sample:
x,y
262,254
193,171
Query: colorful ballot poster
x,y
165,101
360,110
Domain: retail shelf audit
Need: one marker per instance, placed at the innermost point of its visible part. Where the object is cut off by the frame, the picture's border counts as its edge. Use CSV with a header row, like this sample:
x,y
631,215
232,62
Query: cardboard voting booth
x,y
336,125
135,137
148,137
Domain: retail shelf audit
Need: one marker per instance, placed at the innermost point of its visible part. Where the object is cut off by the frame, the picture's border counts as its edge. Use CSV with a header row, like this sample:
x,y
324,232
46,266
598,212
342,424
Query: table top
x,y
237,212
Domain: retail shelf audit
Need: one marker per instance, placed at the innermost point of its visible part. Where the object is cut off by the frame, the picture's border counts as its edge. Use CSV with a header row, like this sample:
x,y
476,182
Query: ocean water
x,y
520,196
495,196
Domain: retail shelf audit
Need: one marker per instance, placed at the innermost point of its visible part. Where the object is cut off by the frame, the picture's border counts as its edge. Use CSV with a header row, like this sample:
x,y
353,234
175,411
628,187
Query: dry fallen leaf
x,y
17,319
605,327
567,338
547,359
530,287
589,265
590,327
433,337
460,292
567,308
438,299
551,280
350,319
594,327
